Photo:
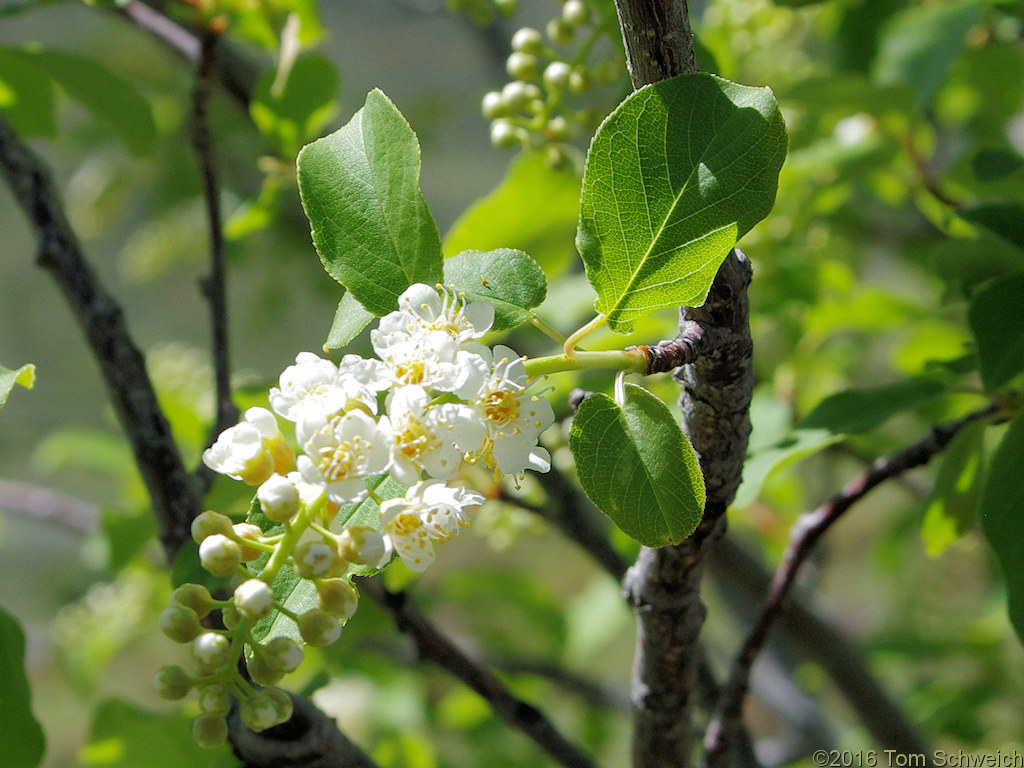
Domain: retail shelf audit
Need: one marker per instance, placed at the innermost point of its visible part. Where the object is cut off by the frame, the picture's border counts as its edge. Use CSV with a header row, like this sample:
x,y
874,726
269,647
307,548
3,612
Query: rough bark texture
x,y
658,41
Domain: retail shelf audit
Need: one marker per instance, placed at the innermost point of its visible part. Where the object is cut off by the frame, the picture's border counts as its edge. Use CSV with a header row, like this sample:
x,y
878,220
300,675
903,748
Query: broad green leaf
x,y
508,279
637,467
858,410
1002,516
371,225
255,215
26,95
997,322
965,264
124,736
534,209
674,177
126,535
112,100
953,506
1003,219
917,46
293,110
765,462
350,318
993,164
24,376
21,737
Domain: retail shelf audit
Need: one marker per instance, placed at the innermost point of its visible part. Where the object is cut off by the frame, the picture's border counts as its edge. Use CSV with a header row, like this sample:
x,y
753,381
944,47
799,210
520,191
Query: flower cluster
x,y
433,398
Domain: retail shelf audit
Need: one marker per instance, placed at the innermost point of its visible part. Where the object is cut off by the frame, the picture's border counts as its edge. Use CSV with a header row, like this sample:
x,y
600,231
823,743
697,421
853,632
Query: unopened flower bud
x,y
556,75
209,731
262,671
522,66
315,559
493,106
559,31
575,13
284,654
254,599
363,546
248,532
527,40
260,712
338,597
220,555
279,498
211,651
214,699
318,627
208,523
172,682
282,702
180,624
230,616
194,596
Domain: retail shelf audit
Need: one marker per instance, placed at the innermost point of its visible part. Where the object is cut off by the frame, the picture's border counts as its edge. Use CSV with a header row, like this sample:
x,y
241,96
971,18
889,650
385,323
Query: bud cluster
x,y
534,109
432,399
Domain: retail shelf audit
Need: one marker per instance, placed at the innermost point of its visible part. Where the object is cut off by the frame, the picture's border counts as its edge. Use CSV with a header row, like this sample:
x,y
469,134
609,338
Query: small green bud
x,y
259,712
214,699
556,158
220,555
505,135
519,95
556,76
194,596
522,66
248,532
180,624
230,616
493,105
284,654
318,627
558,129
507,8
363,546
211,651
608,72
579,79
575,13
208,523
172,682
527,40
282,701
262,671
315,559
210,731
558,31
338,597
254,599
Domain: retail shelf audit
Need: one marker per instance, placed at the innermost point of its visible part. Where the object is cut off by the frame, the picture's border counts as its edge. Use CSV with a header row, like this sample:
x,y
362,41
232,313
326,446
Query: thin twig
x,y
807,531
214,286
123,367
434,646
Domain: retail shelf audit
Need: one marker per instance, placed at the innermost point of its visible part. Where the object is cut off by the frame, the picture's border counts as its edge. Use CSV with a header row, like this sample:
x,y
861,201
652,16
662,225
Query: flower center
x,y
501,407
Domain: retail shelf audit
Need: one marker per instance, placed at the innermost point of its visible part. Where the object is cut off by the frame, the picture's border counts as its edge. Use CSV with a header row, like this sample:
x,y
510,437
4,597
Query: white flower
x,y
318,385
341,449
429,358
250,451
514,418
429,512
422,308
430,437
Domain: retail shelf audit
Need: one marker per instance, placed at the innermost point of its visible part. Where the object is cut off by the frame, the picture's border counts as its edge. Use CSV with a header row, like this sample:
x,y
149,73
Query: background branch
x,y
174,495
807,531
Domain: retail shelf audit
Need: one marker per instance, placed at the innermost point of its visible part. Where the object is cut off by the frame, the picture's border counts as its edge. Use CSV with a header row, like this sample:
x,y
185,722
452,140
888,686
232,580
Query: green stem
x,y
286,546
580,333
628,360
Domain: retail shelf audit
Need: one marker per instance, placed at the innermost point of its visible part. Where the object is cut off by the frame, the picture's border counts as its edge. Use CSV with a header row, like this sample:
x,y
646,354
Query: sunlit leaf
x,y
26,94
371,225
25,376
858,410
674,177
768,460
637,467
998,325
953,506
21,737
1002,502
510,280
292,110
350,318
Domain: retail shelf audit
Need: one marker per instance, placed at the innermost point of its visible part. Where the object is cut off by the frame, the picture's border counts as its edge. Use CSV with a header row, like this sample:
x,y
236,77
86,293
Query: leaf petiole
x,y
581,333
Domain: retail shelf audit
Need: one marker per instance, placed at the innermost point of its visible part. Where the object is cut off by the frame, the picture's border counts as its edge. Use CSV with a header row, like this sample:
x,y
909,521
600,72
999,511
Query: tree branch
x,y
123,367
434,646
807,531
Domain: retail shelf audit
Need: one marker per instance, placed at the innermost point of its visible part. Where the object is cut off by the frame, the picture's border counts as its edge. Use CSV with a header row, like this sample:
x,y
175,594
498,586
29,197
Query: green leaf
x,y
1002,516
997,322
534,209
350,319
858,410
917,46
674,177
21,737
112,100
24,376
1003,219
371,225
994,164
292,110
764,463
26,95
124,736
637,467
952,508
508,279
